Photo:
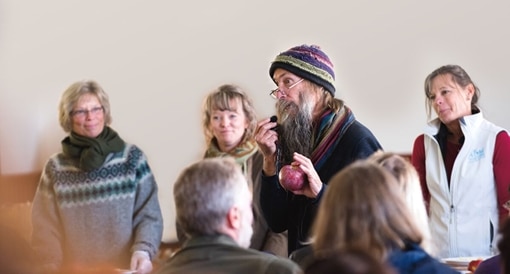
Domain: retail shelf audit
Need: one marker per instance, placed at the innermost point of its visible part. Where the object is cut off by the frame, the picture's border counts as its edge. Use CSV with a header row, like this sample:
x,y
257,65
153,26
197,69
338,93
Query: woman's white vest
x,y
460,216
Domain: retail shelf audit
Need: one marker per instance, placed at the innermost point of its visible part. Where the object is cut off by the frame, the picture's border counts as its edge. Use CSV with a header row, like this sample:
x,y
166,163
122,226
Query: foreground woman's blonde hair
x,y
363,207
409,182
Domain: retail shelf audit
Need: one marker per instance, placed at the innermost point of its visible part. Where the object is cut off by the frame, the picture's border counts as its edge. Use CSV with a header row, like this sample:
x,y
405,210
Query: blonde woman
x,y
364,208
229,122
97,204
409,182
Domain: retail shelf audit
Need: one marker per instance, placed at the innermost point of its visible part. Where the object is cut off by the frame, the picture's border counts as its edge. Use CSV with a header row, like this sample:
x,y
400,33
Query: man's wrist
x,y
269,166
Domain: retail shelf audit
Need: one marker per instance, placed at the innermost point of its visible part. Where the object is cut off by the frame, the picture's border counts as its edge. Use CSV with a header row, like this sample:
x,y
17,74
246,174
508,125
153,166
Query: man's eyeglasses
x,y
276,90
82,113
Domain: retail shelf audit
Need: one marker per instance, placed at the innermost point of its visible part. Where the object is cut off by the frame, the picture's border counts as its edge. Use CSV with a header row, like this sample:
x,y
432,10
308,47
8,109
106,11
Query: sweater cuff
x,y
145,247
319,195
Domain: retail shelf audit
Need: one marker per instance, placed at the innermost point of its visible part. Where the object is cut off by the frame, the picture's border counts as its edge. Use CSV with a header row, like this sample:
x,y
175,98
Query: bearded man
x,y
314,131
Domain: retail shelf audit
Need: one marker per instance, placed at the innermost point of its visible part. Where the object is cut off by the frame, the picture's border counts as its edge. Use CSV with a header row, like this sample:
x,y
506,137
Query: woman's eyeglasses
x,y
82,113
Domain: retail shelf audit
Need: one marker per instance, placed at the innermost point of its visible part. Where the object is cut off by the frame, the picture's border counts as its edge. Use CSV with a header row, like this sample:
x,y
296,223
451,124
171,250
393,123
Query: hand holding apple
x,y
292,177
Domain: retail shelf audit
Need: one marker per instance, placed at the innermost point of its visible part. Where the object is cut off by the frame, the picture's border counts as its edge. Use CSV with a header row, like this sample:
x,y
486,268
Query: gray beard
x,y
295,132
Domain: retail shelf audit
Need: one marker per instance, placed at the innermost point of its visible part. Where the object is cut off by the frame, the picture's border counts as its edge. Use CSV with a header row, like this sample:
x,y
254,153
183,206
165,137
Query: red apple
x,y
473,265
292,177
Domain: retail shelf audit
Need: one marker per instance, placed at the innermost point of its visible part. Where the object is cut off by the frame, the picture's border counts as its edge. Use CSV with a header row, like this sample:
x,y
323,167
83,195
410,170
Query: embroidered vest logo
x,y
476,155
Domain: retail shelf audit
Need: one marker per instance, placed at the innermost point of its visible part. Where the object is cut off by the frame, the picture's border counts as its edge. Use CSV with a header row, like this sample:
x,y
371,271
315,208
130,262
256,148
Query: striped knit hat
x,y
308,62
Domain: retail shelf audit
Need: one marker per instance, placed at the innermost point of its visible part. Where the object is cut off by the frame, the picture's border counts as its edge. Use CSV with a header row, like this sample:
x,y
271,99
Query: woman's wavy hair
x,y
222,98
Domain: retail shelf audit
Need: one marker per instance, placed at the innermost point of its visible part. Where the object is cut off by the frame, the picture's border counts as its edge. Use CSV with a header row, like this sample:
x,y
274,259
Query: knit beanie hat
x,y
308,62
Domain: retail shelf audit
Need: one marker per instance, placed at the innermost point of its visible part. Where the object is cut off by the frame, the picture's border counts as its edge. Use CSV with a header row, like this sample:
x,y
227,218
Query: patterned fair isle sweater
x,y
98,217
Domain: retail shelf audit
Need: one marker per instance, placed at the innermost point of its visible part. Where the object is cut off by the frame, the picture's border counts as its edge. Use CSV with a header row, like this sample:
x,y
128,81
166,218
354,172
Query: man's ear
x,y
234,218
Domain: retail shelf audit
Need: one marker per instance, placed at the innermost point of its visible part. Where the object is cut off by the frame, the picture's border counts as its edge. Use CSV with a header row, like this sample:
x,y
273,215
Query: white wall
x,y
157,60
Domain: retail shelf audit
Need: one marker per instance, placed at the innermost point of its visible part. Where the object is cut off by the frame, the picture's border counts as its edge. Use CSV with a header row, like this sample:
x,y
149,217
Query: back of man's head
x,y
205,192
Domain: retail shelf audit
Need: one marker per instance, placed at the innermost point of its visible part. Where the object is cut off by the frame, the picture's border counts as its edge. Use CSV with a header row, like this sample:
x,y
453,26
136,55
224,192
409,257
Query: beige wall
x,y
157,59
